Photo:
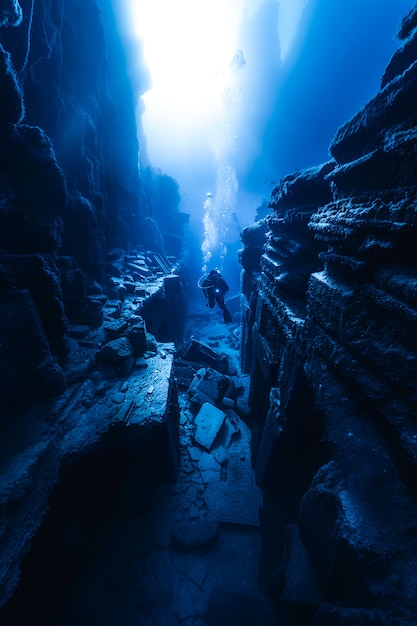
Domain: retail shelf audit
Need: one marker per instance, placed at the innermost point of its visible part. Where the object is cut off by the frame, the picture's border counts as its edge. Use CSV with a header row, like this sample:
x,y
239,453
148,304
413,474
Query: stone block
x,y
208,422
116,351
137,337
197,352
115,328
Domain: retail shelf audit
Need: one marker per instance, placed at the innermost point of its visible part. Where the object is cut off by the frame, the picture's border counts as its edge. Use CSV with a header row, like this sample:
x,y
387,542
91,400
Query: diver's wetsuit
x,y
215,288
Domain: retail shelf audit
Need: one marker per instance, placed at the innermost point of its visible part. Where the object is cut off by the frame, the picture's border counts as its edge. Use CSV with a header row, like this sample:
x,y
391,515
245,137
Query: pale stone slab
x,y
208,422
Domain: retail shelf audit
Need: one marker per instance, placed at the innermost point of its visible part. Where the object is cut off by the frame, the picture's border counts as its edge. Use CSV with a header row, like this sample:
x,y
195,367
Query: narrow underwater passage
x,y
130,468
121,545
193,558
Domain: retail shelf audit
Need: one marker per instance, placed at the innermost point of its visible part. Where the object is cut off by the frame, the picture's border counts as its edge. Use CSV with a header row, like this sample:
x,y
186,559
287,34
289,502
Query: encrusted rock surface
x,y
335,353
73,206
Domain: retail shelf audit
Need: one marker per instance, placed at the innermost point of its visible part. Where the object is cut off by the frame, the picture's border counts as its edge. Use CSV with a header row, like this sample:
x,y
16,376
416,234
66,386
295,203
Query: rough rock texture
x,y
33,191
71,193
332,356
90,259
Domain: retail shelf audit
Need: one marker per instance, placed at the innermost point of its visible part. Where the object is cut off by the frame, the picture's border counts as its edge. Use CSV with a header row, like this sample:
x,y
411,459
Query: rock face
x,y
70,189
329,327
90,260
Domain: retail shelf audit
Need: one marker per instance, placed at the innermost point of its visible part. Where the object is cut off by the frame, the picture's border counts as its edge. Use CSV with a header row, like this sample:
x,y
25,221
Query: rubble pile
x,y
199,544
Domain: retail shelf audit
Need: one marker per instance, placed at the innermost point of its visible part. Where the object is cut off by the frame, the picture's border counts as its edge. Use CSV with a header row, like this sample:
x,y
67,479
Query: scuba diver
x,y
215,288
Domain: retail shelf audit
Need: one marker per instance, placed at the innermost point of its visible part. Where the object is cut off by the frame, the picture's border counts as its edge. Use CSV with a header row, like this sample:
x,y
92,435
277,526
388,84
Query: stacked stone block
x,y
341,339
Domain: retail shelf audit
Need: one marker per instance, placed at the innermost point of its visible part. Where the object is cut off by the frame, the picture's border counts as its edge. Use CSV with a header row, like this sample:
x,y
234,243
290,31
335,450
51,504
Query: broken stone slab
x,y
209,385
114,269
139,269
209,468
184,373
113,308
195,453
233,503
208,423
190,535
190,495
115,328
199,352
147,421
220,455
238,499
205,386
230,428
242,388
137,336
116,350
92,312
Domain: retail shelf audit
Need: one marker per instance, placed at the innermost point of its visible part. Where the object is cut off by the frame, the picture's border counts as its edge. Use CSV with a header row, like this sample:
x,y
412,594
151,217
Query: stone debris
x,y
226,392
195,351
220,455
115,328
230,428
208,423
116,350
180,551
209,468
195,453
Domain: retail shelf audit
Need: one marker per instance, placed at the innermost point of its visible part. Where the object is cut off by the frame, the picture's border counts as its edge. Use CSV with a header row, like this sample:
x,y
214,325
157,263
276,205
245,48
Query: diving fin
x,y
226,316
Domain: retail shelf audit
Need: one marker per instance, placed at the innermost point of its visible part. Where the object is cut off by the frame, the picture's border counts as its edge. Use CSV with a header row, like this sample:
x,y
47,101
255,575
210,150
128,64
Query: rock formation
x,y
91,276
329,323
71,196
92,309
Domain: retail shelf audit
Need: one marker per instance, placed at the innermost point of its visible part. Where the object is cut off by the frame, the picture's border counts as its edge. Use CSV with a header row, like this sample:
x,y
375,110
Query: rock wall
x,y
72,195
60,63
91,263
329,324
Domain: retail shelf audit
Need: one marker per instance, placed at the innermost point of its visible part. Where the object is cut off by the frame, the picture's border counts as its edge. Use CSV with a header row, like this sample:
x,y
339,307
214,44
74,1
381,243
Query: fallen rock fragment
x,y
116,350
208,422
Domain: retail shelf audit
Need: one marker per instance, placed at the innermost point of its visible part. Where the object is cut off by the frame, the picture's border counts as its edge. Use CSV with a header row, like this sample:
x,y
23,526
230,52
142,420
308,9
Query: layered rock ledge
x,y
332,351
